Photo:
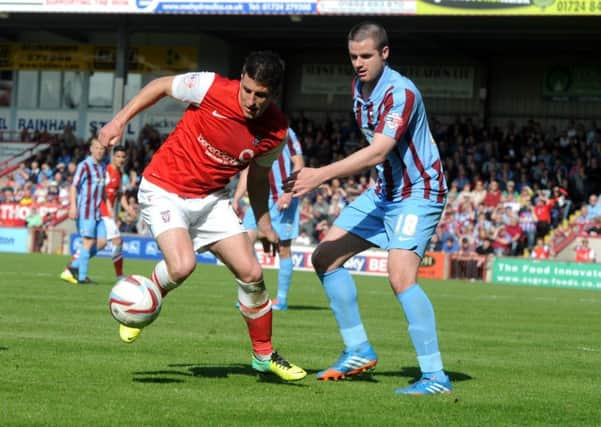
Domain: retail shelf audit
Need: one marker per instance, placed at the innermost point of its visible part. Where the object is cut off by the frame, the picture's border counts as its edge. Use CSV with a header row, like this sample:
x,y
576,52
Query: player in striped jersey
x,y
283,209
399,213
85,196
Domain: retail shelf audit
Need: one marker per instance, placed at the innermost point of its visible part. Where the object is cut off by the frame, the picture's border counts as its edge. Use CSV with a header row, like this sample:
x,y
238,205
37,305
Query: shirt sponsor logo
x,y
224,158
393,121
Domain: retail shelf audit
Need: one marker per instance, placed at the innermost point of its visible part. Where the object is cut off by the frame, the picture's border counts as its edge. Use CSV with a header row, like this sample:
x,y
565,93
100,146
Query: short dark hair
x,y
369,30
265,67
117,148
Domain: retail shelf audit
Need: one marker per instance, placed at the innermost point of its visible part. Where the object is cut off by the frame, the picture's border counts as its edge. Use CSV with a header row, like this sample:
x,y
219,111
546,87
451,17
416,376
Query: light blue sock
x,y
342,293
84,260
75,264
422,329
93,251
284,279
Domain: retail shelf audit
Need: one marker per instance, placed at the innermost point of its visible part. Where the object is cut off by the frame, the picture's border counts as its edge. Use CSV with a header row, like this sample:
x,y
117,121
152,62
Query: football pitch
x,y
517,355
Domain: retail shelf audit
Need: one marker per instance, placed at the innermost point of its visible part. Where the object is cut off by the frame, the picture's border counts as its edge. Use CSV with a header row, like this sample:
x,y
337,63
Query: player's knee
x,y
320,261
100,244
181,268
252,274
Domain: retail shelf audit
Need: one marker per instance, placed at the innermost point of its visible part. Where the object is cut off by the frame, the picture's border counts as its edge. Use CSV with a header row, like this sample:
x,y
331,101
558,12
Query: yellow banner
x,y
147,59
509,7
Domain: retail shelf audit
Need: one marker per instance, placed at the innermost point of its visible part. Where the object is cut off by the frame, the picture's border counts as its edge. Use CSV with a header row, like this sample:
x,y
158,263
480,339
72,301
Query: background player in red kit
x,y
109,208
228,125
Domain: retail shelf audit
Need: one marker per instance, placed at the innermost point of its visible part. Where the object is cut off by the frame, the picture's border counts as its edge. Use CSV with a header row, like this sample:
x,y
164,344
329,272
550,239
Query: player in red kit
x,y
228,125
109,208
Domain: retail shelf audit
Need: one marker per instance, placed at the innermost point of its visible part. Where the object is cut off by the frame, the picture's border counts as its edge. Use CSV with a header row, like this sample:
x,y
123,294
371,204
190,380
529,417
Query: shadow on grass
x,y
415,373
3,348
193,370
306,307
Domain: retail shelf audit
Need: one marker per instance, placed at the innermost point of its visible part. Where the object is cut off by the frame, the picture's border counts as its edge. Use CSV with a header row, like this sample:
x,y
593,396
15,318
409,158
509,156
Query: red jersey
x,y
541,252
112,186
213,141
584,254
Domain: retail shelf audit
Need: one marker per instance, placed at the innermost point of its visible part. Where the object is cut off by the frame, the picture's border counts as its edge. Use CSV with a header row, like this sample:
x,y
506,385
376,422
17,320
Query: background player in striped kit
x,y
283,209
109,207
399,213
85,196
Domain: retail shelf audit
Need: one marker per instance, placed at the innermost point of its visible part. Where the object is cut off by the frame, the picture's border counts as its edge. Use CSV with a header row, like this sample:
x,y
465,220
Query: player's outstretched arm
x,y
307,179
258,193
111,133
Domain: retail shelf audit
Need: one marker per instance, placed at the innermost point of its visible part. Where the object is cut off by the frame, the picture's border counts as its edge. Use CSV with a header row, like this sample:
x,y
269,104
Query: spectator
x,y
450,245
493,196
528,220
595,228
584,253
515,232
485,248
542,210
540,250
465,248
593,207
34,219
435,244
303,239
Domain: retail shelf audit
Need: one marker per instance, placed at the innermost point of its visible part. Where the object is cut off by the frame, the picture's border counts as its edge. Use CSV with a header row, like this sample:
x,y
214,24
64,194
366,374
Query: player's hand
x,y
110,134
73,212
270,240
284,201
303,181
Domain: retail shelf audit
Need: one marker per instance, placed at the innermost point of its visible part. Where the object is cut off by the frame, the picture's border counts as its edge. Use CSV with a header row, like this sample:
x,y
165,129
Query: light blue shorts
x,y
285,222
92,228
408,224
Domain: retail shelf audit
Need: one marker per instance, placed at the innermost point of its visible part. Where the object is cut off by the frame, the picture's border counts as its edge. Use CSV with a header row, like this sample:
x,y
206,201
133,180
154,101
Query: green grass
x,y
516,355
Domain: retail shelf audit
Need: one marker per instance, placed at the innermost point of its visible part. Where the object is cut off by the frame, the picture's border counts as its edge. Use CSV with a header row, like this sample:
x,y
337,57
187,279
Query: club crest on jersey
x,y
393,121
166,216
190,80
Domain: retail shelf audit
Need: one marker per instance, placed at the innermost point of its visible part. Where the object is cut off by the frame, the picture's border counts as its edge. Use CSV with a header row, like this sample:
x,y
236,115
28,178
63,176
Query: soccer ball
x,y
135,301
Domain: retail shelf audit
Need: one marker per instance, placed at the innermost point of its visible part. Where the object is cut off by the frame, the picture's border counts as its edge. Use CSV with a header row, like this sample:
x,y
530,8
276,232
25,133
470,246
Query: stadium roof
x,y
478,35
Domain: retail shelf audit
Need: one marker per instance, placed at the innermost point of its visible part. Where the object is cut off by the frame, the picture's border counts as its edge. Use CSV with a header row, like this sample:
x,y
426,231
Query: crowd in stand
x,y
507,186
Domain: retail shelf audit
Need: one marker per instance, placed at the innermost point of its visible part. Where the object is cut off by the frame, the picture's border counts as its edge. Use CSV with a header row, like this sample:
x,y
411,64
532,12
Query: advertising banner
x,y
219,7
509,7
518,271
573,83
14,214
372,262
137,247
441,80
434,81
367,7
333,79
79,57
310,7
434,265
14,240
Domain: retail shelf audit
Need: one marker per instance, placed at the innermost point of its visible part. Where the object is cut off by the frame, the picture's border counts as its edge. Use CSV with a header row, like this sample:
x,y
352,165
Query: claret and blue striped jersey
x,y
395,108
89,182
282,167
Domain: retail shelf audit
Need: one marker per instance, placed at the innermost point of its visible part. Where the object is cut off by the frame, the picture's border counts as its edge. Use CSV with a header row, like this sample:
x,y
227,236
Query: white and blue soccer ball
x,y
135,301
